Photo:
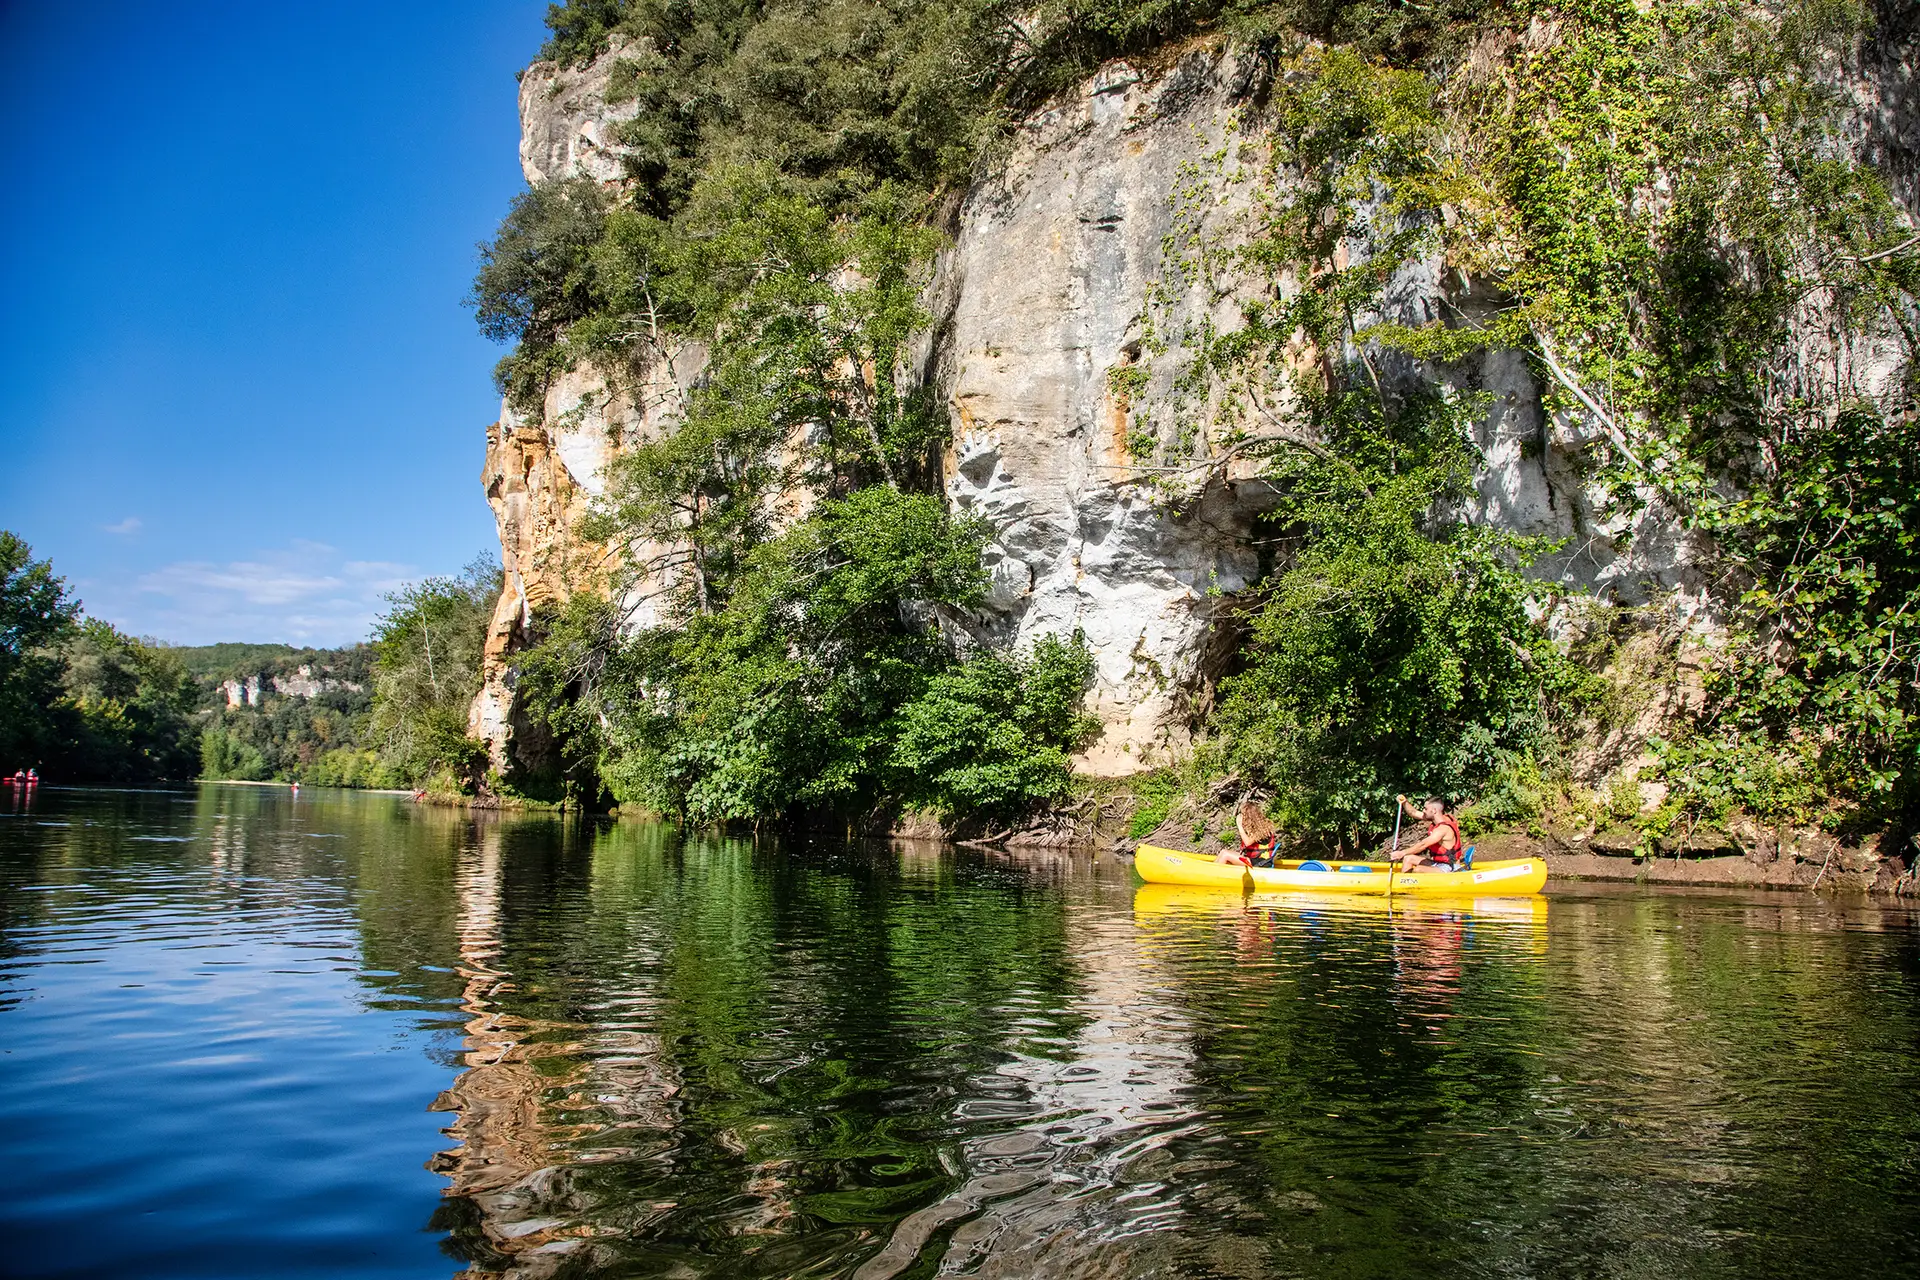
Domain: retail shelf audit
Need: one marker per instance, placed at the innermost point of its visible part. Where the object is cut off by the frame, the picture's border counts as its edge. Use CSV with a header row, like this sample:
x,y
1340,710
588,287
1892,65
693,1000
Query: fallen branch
x,y
1565,379
1615,435
1902,247
1823,868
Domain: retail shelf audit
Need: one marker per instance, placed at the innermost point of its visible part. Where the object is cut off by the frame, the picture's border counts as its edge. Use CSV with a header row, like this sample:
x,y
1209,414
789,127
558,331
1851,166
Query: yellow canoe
x,y
1156,900
1485,879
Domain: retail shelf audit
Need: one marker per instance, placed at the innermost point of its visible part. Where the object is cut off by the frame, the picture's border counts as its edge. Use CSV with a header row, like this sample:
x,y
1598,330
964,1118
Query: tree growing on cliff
x,y
536,280
808,320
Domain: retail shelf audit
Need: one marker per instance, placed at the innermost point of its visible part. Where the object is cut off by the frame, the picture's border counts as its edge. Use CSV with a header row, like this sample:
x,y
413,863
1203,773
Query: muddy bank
x,y
1804,860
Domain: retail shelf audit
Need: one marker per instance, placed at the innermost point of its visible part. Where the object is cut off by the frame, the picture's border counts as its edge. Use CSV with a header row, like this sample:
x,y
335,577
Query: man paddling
x,y
1440,851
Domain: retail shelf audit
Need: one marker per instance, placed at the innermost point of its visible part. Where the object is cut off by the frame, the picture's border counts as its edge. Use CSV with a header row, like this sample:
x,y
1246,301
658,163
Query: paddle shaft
x,y
1394,857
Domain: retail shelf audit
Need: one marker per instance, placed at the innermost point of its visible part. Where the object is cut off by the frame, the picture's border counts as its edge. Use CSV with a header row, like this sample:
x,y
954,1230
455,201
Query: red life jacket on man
x,y
1448,821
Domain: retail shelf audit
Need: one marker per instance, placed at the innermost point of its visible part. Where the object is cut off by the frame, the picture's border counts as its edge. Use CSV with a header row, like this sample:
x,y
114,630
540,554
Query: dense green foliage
x,y
35,614
992,734
236,660
1384,660
79,701
127,703
809,689
426,670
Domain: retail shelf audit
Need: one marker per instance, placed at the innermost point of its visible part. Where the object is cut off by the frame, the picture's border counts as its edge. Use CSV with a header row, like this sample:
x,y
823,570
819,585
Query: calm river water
x,y
247,1035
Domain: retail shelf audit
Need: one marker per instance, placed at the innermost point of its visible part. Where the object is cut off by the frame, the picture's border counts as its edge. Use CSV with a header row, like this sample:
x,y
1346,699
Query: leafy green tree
x,y
224,757
36,613
1825,670
427,654
130,706
1386,660
536,279
782,699
993,734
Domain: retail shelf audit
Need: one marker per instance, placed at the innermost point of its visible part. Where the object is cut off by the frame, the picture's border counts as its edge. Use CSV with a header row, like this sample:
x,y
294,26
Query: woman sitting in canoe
x,y
1258,838
1441,849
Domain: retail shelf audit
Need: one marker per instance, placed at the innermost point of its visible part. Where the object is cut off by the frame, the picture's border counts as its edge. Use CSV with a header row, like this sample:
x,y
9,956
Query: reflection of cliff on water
x,y
730,1058
504,1187
759,1064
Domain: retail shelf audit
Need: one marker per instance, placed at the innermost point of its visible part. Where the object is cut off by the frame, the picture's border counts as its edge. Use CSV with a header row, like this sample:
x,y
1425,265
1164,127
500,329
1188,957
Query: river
x,y
248,1034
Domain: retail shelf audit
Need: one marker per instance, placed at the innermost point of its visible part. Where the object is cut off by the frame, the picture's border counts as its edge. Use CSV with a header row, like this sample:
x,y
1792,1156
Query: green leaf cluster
x,y
426,670
1385,659
79,700
1826,666
811,687
993,734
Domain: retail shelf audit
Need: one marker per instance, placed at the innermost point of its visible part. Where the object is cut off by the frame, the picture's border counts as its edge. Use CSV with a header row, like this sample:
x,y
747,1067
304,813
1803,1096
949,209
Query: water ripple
x,y
579,1049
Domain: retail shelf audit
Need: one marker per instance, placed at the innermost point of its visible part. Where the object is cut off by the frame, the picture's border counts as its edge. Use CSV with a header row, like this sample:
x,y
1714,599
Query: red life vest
x,y
1448,821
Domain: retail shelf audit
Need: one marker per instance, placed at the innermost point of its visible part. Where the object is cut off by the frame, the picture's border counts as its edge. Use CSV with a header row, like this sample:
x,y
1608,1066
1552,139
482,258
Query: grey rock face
x,y
567,125
1041,291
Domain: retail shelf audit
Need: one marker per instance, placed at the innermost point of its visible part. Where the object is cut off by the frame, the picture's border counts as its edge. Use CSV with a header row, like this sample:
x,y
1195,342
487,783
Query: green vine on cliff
x,y
1659,203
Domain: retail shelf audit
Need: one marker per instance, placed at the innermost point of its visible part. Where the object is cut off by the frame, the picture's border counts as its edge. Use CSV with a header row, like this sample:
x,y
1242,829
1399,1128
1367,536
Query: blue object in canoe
x,y
1314,865
1365,871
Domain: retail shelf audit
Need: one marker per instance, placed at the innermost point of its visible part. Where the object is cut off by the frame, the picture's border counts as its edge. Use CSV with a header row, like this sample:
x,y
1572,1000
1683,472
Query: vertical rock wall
x,y
1037,301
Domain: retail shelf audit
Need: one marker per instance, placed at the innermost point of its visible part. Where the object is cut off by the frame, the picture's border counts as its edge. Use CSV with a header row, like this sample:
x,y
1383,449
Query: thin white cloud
x,y
305,594
130,525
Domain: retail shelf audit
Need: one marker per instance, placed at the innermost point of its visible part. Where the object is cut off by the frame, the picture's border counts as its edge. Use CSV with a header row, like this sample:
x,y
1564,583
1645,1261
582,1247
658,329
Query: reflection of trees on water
x,y
762,1064
713,1058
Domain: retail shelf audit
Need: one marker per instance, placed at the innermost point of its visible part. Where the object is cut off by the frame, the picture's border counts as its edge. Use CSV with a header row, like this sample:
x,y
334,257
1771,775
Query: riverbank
x,y
1745,854
310,786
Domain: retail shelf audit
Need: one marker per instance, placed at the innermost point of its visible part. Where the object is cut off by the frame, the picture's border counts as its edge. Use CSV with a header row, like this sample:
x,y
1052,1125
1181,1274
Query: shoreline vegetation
x,y
1649,190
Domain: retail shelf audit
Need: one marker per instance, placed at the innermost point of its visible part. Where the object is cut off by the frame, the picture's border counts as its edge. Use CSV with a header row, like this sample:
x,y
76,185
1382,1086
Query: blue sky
x,y
239,396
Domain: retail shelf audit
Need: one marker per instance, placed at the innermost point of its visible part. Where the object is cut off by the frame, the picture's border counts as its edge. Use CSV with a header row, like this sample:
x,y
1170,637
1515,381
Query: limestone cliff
x,y
1037,300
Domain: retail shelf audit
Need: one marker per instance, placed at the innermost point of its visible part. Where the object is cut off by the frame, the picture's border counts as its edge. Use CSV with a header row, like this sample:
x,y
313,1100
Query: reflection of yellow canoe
x,y
1485,879
1173,899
